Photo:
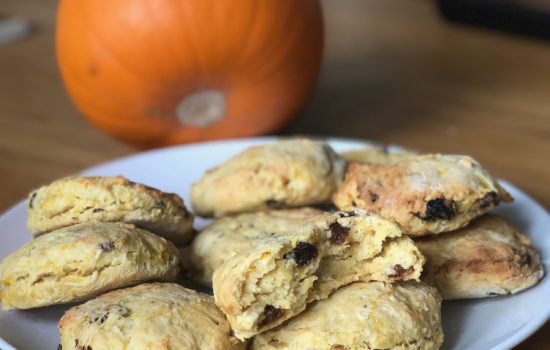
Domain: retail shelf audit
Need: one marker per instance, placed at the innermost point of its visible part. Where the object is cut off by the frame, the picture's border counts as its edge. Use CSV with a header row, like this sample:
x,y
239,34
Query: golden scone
x,y
377,155
230,235
489,257
273,280
148,317
79,199
427,194
372,315
82,261
284,174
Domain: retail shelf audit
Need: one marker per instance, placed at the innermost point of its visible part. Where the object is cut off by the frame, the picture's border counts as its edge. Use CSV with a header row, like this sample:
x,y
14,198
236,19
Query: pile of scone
x,y
309,250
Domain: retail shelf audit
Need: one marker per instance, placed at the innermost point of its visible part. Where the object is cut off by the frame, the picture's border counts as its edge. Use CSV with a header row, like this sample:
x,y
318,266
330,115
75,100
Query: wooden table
x,y
394,72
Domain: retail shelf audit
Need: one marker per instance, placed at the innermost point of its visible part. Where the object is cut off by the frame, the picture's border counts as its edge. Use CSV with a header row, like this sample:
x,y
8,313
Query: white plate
x,y
497,323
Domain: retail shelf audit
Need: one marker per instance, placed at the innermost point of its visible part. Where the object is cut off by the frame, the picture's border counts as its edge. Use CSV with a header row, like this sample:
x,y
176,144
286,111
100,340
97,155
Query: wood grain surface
x,y
394,71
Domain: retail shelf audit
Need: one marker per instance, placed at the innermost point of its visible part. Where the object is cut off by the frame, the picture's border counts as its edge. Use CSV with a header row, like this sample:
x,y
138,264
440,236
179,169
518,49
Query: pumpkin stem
x,y
201,108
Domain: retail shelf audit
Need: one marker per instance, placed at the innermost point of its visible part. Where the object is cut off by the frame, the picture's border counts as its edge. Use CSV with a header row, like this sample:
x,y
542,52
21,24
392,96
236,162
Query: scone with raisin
x,y
489,257
81,261
372,315
79,199
427,194
230,235
288,173
273,280
146,317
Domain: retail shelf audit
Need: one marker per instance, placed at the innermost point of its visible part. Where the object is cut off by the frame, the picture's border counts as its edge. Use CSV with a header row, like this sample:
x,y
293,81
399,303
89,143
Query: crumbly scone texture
x,y
489,257
284,174
147,317
377,155
370,316
427,194
273,280
230,235
79,199
82,261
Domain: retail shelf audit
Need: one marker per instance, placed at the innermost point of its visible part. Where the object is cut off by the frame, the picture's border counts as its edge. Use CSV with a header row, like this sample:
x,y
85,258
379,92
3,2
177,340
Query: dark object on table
x,y
528,17
13,29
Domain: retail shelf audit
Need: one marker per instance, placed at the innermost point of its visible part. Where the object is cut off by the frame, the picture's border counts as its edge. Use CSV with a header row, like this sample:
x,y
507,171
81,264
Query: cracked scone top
x,y
147,317
289,173
281,272
82,261
489,257
426,194
373,315
79,199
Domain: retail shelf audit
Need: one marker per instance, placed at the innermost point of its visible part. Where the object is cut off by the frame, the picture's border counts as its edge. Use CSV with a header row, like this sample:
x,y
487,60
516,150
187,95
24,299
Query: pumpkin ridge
x,y
247,38
101,42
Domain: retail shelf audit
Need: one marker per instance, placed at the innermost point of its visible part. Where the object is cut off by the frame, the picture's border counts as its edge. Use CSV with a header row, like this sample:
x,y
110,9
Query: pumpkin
x,y
156,72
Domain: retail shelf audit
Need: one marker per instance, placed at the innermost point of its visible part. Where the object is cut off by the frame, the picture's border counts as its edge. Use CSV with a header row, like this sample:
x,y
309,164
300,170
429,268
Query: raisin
x,y
33,196
522,257
439,208
59,347
373,196
490,199
400,272
303,253
273,203
339,233
104,318
107,246
160,205
269,315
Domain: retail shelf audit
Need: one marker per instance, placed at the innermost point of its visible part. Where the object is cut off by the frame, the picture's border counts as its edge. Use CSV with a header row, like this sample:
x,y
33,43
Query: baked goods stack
x,y
442,202
368,273
116,241
286,268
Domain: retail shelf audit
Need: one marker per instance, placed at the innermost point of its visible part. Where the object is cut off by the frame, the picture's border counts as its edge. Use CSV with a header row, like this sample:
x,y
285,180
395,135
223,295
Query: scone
x,y
377,155
427,194
373,315
289,173
78,199
275,278
82,261
147,317
230,235
489,257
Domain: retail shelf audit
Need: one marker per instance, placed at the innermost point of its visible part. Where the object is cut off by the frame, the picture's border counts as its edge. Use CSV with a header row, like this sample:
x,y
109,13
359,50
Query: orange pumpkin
x,y
157,72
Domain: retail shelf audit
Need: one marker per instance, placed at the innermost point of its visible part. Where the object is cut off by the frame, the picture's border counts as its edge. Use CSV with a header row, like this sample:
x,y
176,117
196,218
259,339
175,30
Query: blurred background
x,y
393,71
